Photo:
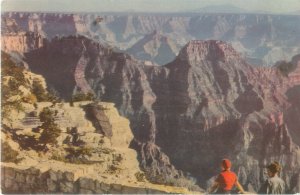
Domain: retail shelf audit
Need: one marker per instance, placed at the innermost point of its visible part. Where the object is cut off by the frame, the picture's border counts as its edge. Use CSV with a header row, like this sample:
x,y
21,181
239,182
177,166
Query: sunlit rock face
x,y
21,42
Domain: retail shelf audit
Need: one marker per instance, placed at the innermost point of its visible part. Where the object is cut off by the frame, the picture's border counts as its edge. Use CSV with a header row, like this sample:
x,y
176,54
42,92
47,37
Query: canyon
x,y
187,115
203,102
262,39
89,154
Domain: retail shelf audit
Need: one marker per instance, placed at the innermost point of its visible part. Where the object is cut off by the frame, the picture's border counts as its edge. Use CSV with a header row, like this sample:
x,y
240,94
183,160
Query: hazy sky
x,y
277,6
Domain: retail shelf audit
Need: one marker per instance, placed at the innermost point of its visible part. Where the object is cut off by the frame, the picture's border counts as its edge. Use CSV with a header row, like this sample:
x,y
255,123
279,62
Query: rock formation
x,y
156,48
207,104
90,155
16,39
21,42
90,151
112,168
33,180
118,78
263,39
216,105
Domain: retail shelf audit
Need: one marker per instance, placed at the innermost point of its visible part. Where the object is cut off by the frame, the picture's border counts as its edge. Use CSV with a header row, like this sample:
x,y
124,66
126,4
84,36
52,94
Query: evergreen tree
x,y
50,129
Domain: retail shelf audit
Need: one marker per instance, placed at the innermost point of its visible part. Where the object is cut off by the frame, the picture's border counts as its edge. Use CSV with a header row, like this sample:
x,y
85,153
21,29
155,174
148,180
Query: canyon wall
x,y
262,39
21,42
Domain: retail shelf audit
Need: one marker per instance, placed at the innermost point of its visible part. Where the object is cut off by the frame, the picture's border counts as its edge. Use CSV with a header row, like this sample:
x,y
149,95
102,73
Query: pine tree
x,y
50,129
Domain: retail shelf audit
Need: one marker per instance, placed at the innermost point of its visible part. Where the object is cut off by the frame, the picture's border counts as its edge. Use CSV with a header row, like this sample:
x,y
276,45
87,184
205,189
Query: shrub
x,y
9,68
83,97
179,181
153,176
8,104
78,154
8,154
58,157
46,115
71,103
75,155
42,94
140,176
188,183
38,90
15,78
31,99
117,158
113,169
54,95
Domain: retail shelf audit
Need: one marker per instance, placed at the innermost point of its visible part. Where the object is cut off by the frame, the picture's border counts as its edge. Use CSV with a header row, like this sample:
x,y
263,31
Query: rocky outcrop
x,y
32,180
16,39
263,39
21,42
111,167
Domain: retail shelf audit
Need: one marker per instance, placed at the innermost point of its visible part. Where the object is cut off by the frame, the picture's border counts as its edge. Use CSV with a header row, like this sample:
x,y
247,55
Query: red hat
x,y
226,163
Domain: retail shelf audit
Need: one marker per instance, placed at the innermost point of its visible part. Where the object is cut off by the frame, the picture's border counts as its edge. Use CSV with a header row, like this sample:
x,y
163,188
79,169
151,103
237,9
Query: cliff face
x,y
216,105
54,147
205,105
21,42
16,39
113,77
112,167
116,76
263,39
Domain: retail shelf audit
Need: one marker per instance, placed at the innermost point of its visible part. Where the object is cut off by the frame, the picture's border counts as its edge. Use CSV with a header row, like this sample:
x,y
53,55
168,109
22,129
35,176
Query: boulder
x,y
85,191
98,188
86,183
20,178
105,187
8,183
30,179
51,185
69,176
66,187
8,172
133,190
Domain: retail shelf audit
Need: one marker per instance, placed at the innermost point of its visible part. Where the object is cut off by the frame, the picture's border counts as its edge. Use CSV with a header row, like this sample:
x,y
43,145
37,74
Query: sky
x,y
274,6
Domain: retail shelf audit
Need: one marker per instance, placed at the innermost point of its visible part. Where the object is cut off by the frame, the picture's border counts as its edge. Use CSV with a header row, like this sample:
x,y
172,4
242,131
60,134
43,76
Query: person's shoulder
x,y
233,173
276,180
227,174
281,180
230,174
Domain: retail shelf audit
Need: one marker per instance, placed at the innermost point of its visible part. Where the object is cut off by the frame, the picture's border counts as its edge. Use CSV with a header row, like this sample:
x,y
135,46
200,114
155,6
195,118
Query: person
x,y
226,180
274,184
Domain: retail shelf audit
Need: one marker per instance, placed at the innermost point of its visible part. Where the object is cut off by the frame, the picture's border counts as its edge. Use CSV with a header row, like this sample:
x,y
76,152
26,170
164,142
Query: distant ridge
x,y
226,8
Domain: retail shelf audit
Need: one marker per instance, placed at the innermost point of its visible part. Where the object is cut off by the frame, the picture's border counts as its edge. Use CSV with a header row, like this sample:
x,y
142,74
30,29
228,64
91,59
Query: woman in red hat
x,y
226,180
